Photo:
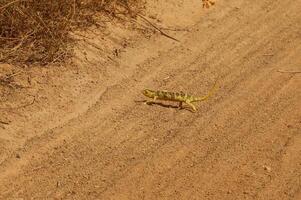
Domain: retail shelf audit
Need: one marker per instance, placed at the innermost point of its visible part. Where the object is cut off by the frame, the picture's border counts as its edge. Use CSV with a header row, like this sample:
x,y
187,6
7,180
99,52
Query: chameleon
x,y
180,97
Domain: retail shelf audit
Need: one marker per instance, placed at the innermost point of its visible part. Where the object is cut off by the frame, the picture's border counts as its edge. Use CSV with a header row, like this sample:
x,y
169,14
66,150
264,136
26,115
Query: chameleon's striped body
x,y
180,97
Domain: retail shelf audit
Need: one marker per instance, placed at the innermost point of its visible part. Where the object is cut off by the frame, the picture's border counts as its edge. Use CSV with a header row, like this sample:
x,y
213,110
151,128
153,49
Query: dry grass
x,y
36,31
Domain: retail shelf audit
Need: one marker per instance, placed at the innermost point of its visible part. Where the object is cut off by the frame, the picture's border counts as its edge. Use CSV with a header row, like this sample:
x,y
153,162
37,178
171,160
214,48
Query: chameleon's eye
x,y
144,91
147,92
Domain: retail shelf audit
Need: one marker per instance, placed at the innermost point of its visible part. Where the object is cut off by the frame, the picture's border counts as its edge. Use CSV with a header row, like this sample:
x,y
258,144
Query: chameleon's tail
x,y
210,93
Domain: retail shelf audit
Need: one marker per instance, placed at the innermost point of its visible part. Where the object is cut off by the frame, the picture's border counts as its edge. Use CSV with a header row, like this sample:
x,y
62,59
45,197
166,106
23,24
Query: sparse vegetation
x,y
36,31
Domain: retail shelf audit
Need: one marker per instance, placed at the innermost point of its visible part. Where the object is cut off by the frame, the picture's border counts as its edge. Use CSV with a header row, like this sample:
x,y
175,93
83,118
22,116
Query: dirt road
x,y
243,143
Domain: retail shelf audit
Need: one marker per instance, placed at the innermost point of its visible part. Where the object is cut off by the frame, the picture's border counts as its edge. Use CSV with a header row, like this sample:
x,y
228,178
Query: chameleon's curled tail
x,y
210,93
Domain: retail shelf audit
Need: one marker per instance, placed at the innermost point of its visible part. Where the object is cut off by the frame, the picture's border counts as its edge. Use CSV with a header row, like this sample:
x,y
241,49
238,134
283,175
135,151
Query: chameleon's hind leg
x,y
191,105
151,101
180,105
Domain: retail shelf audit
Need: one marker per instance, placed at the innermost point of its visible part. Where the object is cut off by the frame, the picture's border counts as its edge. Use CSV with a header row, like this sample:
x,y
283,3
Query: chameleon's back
x,y
165,95
169,96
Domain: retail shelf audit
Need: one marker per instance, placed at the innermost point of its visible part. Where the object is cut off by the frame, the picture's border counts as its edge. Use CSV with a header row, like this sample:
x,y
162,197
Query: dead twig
x,y
11,3
292,72
176,29
14,74
7,80
9,76
150,23
158,29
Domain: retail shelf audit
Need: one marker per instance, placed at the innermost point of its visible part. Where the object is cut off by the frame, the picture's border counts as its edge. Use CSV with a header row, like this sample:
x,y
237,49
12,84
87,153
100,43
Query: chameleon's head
x,y
148,93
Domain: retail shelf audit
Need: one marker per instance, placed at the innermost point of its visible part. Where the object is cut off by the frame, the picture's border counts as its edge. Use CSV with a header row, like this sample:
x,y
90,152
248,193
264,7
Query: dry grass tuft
x,y
36,31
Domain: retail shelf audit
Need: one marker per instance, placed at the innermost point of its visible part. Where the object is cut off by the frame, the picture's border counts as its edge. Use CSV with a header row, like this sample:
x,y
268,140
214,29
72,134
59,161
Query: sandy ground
x,y
82,132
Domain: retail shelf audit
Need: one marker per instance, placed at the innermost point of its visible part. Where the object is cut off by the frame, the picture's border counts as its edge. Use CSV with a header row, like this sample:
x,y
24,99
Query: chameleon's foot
x,y
149,102
180,107
192,106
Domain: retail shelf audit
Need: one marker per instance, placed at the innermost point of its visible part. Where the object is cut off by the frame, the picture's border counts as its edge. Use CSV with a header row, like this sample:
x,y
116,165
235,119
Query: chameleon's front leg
x,y
191,105
151,101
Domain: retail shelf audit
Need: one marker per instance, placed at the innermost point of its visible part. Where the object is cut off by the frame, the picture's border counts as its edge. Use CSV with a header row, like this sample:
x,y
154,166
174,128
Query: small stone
x,y
267,168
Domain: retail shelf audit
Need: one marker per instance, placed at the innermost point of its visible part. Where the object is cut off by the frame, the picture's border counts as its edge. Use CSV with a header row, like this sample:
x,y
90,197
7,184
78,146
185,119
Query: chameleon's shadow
x,y
165,105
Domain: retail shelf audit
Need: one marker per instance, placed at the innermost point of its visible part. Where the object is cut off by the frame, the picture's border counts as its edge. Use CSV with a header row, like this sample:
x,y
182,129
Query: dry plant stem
x,y
38,32
9,4
150,23
6,80
15,74
175,29
292,72
155,27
